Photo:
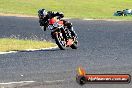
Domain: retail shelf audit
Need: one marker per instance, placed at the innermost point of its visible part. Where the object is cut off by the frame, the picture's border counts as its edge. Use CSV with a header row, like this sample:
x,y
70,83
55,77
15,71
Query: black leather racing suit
x,y
44,21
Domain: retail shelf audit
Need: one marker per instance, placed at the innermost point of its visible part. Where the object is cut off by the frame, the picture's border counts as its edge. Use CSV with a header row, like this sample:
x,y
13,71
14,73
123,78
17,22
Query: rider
x,y
44,17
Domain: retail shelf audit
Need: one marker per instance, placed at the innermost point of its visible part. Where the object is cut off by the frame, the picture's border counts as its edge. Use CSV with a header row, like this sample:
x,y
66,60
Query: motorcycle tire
x,y
74,45
81,80
62,47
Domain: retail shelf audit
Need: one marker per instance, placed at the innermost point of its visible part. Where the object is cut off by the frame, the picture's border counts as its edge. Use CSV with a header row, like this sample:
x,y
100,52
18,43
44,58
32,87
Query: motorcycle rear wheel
x,y
75,44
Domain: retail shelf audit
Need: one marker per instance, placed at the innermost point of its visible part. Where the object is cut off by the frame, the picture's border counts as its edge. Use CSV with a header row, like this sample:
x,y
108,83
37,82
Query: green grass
x,y
72,8
7,44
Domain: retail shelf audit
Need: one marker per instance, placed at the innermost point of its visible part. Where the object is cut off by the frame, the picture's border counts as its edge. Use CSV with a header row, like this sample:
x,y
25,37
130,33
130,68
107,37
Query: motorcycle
x,y
62,35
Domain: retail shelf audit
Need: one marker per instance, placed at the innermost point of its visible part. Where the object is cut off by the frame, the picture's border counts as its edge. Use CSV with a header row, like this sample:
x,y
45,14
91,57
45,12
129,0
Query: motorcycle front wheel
x,y
60,41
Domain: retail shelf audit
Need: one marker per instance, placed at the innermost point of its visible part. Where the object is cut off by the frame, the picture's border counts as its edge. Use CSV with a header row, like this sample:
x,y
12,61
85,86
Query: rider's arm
x,y
61,15
43,23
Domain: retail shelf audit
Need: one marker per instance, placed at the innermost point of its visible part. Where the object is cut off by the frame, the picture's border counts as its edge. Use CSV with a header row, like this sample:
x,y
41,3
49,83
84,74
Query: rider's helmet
x,y
42,13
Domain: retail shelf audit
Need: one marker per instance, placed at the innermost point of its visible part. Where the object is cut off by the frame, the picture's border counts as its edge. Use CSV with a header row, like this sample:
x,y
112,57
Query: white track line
x,y
22,82
9,83
21,15
41,49
104,20
54,81
29,50
31,16
8,52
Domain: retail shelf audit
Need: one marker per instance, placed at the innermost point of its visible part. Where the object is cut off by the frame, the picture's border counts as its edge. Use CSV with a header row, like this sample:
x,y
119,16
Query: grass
x,y
100,9
7,44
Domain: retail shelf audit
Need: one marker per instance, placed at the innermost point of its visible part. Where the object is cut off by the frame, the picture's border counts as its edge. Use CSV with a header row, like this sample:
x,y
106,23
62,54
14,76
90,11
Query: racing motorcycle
x,y
62,35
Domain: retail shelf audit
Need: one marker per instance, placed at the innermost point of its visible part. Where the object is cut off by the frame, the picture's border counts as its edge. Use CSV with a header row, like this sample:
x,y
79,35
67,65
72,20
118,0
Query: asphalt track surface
x,y
104,47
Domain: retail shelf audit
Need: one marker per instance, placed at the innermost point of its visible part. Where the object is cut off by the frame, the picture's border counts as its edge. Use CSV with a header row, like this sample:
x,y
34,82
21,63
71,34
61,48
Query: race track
x,y
104,47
